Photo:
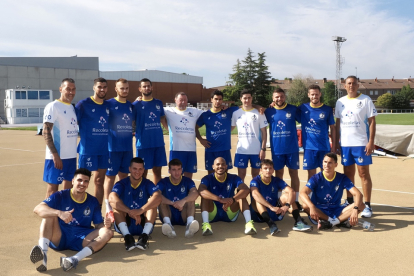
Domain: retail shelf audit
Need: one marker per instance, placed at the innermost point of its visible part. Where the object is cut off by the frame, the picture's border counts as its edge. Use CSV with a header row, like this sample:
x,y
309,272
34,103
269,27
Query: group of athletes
x,y
134,202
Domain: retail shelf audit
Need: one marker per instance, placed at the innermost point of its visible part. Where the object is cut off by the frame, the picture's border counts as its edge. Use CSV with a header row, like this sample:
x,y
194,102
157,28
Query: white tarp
x,y
398,139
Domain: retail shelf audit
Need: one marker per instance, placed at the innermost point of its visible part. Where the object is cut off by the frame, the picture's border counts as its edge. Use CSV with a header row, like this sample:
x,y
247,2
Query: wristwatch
x,y
263,149
356,207
287,204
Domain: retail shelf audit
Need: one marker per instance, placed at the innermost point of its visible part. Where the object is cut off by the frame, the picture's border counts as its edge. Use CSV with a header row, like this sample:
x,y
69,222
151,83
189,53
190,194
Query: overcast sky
x,y
205,38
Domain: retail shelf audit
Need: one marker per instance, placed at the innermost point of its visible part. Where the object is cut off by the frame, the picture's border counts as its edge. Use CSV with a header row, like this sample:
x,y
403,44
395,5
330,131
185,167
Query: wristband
x,y
287,204
263,149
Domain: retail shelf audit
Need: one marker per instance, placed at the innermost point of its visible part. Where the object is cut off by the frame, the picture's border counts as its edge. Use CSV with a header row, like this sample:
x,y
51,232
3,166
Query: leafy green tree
x,y
386,101
328,94
403,97
262,88
298,92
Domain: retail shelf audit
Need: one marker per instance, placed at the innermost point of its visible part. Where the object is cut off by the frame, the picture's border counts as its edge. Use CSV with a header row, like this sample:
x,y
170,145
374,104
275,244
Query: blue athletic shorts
x,y
188,158
218,214
256,217
52,175
331,211
176,217
211,156
241,161
134,229
290,160
72,237
355,155
313,159
153,157
93,162
119,162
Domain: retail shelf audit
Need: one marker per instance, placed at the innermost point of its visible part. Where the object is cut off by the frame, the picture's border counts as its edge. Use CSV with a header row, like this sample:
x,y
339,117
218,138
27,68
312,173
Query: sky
x,y
205,38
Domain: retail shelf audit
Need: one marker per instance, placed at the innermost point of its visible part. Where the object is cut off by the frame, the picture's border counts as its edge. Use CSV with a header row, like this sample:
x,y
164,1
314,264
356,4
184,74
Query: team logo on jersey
x,y
93,110
254,118
265,122
336,188
64,111
231,164
60,177
73,122
280,125
182,189
374,110
195,167
328,198
228,187
223,115
306,111
246,125
322,115
257,164
141,194
273,189
152,116
241,163
87,211
190,114
102,121
288,115
143,107
116,107
184,121
312,122
130,109
157,107
107,111
345,160
359,105
349,114
217,124
125,118
360,159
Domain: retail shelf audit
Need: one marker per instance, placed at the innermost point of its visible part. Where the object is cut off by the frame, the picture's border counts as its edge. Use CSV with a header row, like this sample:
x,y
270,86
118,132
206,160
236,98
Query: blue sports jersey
x,y
148,131
85,212
315,126
120,125
328,193
134,198
282,129
93,121
222,189
268,191
218,128
175,192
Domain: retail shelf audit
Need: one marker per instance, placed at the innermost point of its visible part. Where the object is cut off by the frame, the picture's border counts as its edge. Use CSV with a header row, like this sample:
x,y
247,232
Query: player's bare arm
x,y
47,134
203,141
163,121
192,196
206,194
353,219
370,147
259,108
304,195
259,198
337,135
333,138
44,211
262,153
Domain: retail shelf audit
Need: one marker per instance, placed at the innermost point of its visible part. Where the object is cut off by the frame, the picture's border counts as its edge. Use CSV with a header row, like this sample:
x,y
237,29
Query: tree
x,y
298,91
403,97
328,94
263,90
386,101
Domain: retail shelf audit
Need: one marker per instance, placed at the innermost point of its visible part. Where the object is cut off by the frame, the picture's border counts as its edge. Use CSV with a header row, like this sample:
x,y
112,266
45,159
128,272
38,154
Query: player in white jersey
x,y
181,125
251,127
355,121
60,132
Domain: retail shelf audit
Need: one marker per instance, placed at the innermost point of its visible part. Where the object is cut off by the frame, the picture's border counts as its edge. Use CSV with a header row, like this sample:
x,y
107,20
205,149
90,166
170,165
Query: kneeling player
x,y
66,225
266,206
178,201
218,201
134,200
324,205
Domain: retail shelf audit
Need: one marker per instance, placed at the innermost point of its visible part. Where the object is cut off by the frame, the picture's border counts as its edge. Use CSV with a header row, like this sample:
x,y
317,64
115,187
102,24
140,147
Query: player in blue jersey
x,y
266,204
219,201
135,200
178,201
92,114
148,116
66,225
119,137
316,120
327,187
282,119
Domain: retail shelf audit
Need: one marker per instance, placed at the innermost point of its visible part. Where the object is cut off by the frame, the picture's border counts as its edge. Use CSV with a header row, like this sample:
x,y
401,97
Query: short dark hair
x,y
137,160
266,162
351,77
122,80
95,81
83,171
70,80
246,91
180,94
217,93
175,162
332,155
145,80
279,90
315,87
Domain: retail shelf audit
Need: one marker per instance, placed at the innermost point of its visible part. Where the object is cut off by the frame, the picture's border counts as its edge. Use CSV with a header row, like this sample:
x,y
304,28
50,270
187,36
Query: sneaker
x,y
67,263
191,229
302,226
37,255
324,224
273,229
344,224
346,203
249,228
312,220
129,242
143,242
168,230
299,206
367,213
206,227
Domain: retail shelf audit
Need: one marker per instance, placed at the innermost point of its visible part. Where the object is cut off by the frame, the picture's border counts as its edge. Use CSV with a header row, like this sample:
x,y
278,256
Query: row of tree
x,y
400,100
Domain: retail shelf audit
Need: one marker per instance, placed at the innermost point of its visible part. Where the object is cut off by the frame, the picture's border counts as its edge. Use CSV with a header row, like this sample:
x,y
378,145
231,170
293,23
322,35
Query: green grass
x,y
395,119
20,128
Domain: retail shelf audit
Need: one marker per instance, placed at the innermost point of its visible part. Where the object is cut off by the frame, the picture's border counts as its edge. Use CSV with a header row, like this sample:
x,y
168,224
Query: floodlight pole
x,y
338,42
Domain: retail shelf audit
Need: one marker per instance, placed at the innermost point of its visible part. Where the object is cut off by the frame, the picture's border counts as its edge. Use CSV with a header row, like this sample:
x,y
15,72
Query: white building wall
x,y
153,75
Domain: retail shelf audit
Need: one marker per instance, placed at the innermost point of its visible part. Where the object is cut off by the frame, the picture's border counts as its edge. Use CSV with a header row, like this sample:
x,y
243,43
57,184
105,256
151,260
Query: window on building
x,y
371,92
20,95
376,92
21,112
33,112
393,92
33,95
44,95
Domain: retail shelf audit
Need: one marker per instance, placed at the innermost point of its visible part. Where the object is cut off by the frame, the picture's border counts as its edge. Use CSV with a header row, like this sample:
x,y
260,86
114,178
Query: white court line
x,y
379,204
21,164
22,149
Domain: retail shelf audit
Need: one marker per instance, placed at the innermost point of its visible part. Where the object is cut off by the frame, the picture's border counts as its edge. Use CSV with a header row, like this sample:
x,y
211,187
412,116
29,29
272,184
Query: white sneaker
x,y
191,229
367,213
168,230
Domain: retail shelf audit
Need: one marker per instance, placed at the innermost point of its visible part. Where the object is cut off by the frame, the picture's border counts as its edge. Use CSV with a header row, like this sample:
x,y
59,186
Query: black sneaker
x,y
129,242
344,224
324,224
299,206
142,242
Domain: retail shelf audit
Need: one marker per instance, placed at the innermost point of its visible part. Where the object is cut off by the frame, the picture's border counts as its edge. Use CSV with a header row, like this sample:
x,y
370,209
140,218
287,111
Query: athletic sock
x,y
295,214
147,228
166,220
190,219
123,227
266,218
297,196
44,244
367,203
85,252
334,221
350,200
204,215
247,215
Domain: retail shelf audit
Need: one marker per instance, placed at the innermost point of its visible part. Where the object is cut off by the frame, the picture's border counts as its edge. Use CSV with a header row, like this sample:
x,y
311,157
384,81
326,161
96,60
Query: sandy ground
x,y
386,251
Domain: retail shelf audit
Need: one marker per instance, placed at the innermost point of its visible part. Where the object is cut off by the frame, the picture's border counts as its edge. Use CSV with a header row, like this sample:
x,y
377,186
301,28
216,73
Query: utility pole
x,y
339,61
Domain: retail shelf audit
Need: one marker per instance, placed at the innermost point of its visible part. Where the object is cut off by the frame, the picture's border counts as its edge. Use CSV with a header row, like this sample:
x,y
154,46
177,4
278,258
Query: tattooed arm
x,y
47,134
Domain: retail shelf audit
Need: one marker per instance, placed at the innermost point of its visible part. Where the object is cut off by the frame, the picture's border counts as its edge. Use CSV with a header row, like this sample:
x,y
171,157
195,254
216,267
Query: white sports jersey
x,y
181,125
248,125
353,114
65,128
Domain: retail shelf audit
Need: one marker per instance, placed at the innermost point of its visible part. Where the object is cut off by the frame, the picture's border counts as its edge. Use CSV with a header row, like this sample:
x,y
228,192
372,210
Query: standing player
x,y
148,116
181,125
134,200
267,206
119,137
316,119
178,201
66,225
251,127
93,120
218,201
60,131
355,121
284,139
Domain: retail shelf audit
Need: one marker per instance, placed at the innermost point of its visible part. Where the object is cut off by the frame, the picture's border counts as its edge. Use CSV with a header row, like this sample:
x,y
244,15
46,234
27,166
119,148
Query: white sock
x,y
190,219
334,221
204,215
85,252
147,228
123,227
297,196
108,206
247,216
166,220
44,244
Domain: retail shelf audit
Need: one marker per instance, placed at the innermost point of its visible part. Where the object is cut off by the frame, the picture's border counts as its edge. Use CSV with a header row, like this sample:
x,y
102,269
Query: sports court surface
x,y
389,250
